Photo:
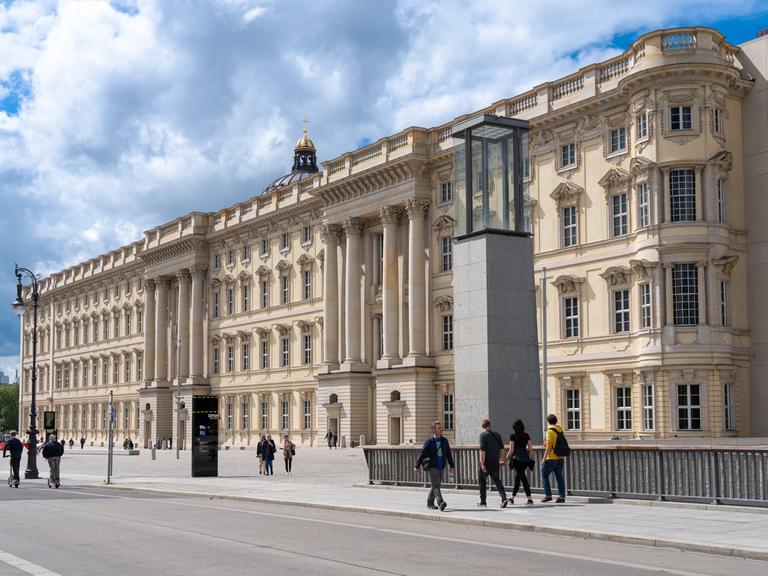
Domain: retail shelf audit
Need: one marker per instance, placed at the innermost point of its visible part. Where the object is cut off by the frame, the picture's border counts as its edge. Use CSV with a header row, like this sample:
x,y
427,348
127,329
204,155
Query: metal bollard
x,y
153,452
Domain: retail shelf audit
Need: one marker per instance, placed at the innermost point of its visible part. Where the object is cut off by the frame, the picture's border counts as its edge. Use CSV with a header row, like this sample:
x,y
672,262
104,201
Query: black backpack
x,y
561,448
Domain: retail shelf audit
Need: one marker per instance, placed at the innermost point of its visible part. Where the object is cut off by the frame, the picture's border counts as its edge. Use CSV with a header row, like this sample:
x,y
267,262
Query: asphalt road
x,y
83,532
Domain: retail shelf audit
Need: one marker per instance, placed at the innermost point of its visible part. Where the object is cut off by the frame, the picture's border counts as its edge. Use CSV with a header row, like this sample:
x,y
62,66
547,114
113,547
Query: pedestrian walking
x,y
335,439
52,452
491,461
269,455
434,455
82,442
260,453
553,462
289,451
520,458
16,448
71,443
329,438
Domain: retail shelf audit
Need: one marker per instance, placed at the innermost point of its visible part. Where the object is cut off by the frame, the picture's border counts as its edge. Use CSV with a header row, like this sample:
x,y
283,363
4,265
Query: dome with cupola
x,y
304,163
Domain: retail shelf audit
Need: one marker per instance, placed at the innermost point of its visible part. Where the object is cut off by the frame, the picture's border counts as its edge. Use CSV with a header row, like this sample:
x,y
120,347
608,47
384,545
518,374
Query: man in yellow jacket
x,y
552,462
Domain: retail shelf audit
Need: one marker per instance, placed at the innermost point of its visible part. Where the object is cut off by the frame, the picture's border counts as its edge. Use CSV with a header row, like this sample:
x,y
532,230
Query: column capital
x,y
197,269
330,232
183,274
354,226
416,207
390,214
149,281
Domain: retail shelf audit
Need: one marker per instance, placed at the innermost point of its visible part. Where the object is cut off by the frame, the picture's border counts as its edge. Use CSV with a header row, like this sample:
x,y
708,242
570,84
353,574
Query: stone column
x,y
390,216
183,319
417,332
330,237
161,333
353,227
196,326
149,331
701,268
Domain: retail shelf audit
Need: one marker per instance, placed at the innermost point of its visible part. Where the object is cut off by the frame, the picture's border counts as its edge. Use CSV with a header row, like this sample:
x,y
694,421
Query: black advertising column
x,y
205,436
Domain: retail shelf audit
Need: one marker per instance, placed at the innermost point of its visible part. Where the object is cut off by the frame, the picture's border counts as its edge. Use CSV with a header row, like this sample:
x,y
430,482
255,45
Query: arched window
x,y
394,396
333,399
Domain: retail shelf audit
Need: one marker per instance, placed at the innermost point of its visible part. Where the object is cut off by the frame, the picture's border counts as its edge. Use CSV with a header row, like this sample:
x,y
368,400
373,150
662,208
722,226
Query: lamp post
x,y
19,307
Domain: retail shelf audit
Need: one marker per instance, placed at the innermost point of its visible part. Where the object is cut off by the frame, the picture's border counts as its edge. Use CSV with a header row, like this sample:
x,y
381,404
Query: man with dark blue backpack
x,y
555,450
434,456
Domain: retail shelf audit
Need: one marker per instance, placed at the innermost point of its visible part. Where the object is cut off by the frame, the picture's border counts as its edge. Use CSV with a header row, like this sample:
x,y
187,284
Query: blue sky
x,y
115,117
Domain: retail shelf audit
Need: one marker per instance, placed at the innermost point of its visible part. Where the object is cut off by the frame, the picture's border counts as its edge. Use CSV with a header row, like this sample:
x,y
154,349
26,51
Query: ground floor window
x,y
649,416
307,414
448,411
624,408
265,415
729,423
285,415
573,409
688,407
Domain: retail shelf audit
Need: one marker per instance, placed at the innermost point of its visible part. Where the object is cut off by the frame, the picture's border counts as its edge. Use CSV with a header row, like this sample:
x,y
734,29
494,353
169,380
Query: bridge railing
x,y
735,476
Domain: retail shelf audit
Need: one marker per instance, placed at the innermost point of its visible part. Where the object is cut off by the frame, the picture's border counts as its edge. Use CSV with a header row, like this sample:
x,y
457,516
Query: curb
x,y
745,553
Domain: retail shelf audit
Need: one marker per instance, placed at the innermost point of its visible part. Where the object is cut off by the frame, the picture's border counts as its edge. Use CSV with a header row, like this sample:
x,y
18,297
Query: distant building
x,y
4,378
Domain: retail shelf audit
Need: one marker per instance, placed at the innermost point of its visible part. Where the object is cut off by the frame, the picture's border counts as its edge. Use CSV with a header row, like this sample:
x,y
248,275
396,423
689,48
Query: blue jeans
x,y
555,466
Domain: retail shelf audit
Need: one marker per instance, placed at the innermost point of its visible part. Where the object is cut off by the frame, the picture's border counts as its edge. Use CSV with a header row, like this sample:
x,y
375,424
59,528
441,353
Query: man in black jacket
x,y
15,447
53,451
491,461
435,453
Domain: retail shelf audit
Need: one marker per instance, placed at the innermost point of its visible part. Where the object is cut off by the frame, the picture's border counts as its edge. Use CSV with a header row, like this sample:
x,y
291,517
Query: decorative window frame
x,y
565,136
718,102
681,97
614,183
613,122
569,286
618,278
565,195
621,380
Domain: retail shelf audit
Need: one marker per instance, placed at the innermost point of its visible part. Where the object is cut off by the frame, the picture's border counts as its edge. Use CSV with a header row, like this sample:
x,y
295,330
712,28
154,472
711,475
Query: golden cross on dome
x,y
305,124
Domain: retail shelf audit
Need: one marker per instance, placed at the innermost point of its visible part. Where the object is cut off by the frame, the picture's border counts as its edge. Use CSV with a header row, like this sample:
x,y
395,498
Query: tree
x,y
9,406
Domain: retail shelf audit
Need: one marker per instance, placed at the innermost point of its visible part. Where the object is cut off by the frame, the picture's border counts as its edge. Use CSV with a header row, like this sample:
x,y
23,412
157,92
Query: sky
x,y
116,116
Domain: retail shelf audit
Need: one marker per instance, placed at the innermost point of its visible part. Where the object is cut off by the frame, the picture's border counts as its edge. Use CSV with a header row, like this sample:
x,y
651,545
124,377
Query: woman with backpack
x,y
520,458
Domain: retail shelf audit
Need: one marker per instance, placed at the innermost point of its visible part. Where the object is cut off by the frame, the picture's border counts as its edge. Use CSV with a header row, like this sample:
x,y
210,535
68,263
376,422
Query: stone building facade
x,y
325,303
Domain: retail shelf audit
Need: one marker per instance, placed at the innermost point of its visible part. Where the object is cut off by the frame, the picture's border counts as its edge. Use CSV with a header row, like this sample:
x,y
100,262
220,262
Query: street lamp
x,y
19,308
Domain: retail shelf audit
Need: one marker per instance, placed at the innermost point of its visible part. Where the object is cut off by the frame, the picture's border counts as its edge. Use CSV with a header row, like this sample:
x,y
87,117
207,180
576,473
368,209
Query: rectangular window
x,y
127,369
230,257
230,415
728,421
244,415
216,360
115,370
75,376
448,412
688,407
642,126
285,289
216,262
307,414
619,215
649,416
306,235
58,378
285,241
685,294
85,334
104,372
126,418
446,193
573,409
245,293
643,205
621,311
307,348
645,305
569,226
721,201
682,195
230,301
265,247
624,408
85,374
264,354
568,155
571,317
724,312
95,372
139,367
265,294
448,332
307,284
104,328
116,326
246,253
139,321
216,304
718,121
245,354
264,415
128,323
284,414
680,118
230,358
446,252
618,140
285,352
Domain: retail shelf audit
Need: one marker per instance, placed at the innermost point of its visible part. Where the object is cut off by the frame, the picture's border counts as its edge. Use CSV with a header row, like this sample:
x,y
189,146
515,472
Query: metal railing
x,y
735,476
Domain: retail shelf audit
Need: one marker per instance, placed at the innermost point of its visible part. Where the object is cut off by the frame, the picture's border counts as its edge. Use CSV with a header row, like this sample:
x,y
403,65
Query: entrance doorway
x,y
395,438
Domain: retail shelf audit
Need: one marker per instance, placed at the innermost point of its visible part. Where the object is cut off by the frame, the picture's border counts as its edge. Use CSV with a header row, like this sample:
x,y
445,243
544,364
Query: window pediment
x,y
641,166
616,276
262,271
566,193
443,222
725,265
643,268
305,261
282,329
283,266
567,284
615,180
444,303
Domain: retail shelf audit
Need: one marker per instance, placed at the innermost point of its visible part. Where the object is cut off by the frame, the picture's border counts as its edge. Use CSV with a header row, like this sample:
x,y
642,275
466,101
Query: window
x,y
115,370
571,317
682,195
568,155
106,295
264,415
643,205
649,416
285,351
307,284
685,294
307,414
127,322
66,337
139,321
230,301
139,367
642,126
718,121
244,408
216,360
230,415
569,226
95,330
265,293
58,377
448,332
306,235
246,253
688,407
215,303
85,334
573,409
230,257
624,408
680,118
216,262
85,374
645,305
621,311
619,214
307,348
104,372
264,354
95,372
446,251
265,247
724,312
285,241
728,421
127,369
285,289
245,354
618,141
75,376
230,358
448,412
721,201
116,326
446,193
245,295
284,405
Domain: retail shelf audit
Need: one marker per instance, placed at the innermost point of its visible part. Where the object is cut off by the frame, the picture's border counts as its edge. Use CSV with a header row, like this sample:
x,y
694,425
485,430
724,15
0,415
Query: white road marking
x,y
645,567
25,566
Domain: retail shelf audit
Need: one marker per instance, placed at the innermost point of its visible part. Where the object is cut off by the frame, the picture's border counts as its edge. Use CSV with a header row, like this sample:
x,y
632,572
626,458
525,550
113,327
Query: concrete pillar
x,y
353,227
196,326
417,333
149,331
390,217
330,237
184,332
161,333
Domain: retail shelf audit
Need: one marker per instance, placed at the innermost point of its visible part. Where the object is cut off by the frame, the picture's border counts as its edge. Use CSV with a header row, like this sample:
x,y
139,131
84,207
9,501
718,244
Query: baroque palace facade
x,y
325,302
